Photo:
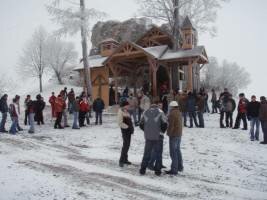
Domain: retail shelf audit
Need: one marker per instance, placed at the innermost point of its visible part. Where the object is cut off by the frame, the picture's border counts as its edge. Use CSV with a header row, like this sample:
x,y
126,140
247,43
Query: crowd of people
x,y
170,113
167,113
62,106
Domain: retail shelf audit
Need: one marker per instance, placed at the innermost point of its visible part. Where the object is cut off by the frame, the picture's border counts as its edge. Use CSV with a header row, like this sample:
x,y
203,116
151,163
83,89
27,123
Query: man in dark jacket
x,y
213,101
98,107
191,109
71,100
200,103
152,122
230,108
39,107
253,110
242,112
263,118
26,101
4,111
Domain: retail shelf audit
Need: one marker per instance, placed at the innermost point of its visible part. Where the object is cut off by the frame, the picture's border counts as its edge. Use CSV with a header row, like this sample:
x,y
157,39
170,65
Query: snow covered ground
x,y
83,164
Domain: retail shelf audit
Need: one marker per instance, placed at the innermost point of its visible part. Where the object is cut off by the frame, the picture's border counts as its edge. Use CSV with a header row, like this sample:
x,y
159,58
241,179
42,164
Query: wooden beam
x,y
154,67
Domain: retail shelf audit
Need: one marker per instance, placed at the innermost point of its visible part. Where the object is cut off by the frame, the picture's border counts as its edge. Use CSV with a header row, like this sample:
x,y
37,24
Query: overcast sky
x,y
242,32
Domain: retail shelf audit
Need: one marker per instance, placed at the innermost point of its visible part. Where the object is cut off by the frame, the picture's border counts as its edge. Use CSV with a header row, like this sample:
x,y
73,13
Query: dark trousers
x,y
58,120
81,118
26,117
154,154
239,117
126,137
185,117
222,113
192,116
264,130
98,117
149,146
214,107
140,112
200,119
229,119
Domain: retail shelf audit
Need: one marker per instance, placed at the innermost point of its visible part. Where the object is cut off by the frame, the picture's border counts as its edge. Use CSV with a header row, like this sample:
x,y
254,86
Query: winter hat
x,y
263,98
124,103
173,104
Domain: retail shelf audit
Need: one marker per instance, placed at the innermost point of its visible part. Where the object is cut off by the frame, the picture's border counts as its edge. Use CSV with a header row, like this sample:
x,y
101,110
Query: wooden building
x,y
149,61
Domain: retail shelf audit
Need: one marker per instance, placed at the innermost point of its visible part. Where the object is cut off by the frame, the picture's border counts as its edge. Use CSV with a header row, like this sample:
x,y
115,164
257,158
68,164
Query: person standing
x,y
153,122
98,107
26,101
84,108
230,108
242,110
182,101
52,100
127,129
213,101
13,110
71,100
133,103
64,96
200,103
191,108
263,118
174,132
253,109
76,109
224,99
4,111
59,107
39,107
31,110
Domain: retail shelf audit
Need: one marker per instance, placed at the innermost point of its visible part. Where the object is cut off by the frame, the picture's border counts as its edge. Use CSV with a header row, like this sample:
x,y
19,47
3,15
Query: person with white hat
x,y
174,132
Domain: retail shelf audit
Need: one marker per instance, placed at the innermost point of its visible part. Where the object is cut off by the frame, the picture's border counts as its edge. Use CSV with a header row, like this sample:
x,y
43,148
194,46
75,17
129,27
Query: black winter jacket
x,y
253,109
3,105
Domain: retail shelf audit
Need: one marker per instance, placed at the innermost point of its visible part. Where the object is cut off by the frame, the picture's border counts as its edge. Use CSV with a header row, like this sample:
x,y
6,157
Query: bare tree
x,y
227,75
59,55
203,13
32,62
72,20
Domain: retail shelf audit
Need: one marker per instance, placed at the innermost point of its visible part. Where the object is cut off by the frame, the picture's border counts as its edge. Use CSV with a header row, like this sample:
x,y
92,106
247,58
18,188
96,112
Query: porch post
x,y
115,74
154,67
190,76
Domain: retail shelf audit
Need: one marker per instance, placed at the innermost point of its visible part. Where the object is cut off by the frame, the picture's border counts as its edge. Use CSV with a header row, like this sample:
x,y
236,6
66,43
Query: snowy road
x,y
83,164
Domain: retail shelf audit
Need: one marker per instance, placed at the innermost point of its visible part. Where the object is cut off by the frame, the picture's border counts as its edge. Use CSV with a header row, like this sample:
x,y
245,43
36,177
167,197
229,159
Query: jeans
x,y
240,116
254,122
207,109
264,130
125,147
185,117
140,112
214,107
132,112
200,119
149,146
31,122
153,158
192,116
98,115
229,119
65,118
176,155
13,128
3,122
75,120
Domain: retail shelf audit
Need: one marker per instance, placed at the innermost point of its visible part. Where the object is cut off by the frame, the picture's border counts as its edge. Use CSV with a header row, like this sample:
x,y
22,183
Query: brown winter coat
x,y
182,101
175,123
200,103
263,111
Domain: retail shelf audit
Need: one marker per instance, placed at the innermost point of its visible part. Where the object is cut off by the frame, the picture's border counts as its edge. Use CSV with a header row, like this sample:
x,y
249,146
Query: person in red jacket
x,y
52,100
242,112
59,107
84,108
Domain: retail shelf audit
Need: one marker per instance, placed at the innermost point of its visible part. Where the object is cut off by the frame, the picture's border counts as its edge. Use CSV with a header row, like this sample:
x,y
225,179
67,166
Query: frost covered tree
x,y
60,55
72,19
32,61
227,75
203,13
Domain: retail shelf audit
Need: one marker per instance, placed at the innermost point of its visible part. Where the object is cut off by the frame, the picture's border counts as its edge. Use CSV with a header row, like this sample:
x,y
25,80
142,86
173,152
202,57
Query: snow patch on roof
x,y
170,54
156,51
94,61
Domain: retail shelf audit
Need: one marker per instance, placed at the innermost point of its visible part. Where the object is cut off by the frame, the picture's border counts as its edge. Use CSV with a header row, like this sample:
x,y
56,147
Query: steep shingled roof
x,y
187,23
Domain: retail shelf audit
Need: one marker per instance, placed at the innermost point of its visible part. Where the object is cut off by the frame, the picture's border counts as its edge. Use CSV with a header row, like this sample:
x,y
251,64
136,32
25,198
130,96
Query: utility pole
x,y
87,73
